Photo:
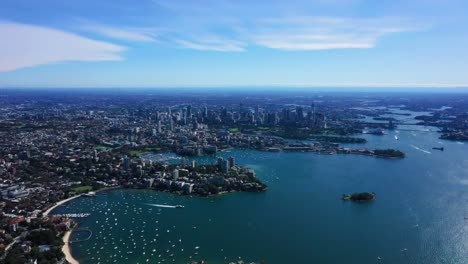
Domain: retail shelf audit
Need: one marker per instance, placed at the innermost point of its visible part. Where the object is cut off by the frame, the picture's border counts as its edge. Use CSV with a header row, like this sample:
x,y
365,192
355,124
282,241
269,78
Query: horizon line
x,y
401,86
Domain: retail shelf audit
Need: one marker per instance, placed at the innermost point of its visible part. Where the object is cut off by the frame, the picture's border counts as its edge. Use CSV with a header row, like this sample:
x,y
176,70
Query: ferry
x,y
327,152
179,206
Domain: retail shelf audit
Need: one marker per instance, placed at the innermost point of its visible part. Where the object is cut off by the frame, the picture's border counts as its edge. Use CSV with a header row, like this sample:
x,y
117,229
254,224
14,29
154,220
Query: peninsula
x,y
199,180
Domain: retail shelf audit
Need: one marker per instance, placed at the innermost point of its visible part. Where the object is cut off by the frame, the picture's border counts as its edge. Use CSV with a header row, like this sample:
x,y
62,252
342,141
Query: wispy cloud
x,y
318,33
142,34
212,43
24,45
294,33
275,28
222,26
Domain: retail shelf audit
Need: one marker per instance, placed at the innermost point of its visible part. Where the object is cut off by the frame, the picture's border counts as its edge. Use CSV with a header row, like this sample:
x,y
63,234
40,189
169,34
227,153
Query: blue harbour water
x,y
418,216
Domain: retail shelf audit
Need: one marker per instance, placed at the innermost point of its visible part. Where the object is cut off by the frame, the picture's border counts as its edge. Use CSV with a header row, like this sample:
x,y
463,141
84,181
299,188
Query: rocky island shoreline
x,y
359,197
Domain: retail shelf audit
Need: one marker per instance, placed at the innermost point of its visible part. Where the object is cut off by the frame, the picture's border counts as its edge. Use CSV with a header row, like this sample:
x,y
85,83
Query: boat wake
x,y
162,205
425,151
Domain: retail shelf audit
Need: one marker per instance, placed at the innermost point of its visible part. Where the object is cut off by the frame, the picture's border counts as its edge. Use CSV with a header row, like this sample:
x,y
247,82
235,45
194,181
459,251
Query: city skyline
x,y
225,43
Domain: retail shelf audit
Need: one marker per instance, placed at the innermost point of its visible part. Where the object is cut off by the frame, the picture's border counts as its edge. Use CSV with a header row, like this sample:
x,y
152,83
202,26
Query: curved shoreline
x,y
66,237
60,203
66,249
74,197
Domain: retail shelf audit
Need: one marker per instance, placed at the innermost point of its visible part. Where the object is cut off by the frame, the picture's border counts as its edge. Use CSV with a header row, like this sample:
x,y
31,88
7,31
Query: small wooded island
x,y
389,153
359,197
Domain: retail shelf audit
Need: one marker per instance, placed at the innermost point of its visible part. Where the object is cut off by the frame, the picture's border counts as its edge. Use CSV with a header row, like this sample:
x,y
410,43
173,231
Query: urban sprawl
x,y
56,146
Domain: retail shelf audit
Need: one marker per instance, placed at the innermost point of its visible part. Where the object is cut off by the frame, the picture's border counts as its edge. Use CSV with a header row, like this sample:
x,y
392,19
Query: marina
x,y
73,215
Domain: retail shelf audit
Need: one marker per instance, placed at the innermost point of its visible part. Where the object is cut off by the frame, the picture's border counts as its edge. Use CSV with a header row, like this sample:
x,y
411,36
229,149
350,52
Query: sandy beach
x,y
66,249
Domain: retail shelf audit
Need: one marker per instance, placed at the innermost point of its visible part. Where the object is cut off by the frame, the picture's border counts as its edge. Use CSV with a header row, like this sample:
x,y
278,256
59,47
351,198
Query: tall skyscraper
x,y
159,127
171,124
225,166
205,112
126,163
65,149
139,170
189,111
300,113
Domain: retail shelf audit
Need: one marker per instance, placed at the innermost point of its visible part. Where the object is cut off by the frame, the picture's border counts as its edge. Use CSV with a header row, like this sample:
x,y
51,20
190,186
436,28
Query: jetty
x,y
73,215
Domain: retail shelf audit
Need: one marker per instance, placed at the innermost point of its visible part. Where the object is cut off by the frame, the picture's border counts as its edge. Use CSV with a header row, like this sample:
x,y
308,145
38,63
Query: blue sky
x,y
166,43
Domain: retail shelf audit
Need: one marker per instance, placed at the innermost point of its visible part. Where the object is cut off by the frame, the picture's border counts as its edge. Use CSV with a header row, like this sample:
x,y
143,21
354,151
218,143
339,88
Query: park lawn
x,y
100,147
82,189
153,149
136,153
